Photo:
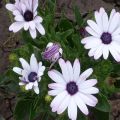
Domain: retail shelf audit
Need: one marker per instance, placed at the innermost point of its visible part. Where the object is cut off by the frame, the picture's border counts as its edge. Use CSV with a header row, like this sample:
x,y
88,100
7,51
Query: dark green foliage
x,y
29,105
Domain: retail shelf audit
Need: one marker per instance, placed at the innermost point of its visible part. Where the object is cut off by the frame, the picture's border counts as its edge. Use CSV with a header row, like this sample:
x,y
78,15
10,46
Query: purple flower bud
x,y
52,52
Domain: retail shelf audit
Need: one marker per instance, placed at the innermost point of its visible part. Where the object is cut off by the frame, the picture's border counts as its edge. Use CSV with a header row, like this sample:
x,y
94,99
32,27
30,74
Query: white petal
x,y
98,18
10,7
33,63
105,22
63,106
56,76
94,26
72,110
23,7
57,101
21,83
25,64
92,51
36,83
93,98
87,100
116,32
76,69
54,92
91,90
16,26
38,19
25,74
114,53
56,86
35,5
87,84
114,22
32,25
91,31
105,52
111,15
26,26
36,89
33,33
41,70
41,29
61,51
64,69
26,3
30,3
81,104
89,39
85,75
50,44
16,12
29,86
116,38
91,42
102,11
70,70
17,70
116,46
19,18
39,79
98,52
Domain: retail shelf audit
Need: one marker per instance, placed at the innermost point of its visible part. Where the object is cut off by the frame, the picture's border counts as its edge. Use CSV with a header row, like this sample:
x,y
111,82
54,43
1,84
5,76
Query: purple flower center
x,y
51,51
72,88
28,16
32,77
106,38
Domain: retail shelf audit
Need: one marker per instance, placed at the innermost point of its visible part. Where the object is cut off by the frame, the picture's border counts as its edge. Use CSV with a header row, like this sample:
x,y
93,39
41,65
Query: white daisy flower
x,y
31,74
72,89
52,52
105,35
26,17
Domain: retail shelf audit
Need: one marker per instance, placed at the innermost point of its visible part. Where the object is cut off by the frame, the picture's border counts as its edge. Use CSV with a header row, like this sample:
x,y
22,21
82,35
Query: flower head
x,y
31,74
72,89
25,12
52,52
105,35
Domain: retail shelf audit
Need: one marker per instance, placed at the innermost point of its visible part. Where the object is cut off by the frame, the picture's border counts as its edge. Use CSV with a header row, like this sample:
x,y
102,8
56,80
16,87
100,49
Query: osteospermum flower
x,y
105,35
72,89
31,74
52,52
25,12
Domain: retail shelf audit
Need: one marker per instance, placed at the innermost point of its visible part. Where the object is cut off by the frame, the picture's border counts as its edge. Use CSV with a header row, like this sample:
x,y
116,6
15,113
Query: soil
x,y
8,42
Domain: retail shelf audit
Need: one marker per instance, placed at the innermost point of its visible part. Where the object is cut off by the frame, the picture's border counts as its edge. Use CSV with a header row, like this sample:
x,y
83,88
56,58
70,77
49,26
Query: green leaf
x,y
103,70
64,35
65,25
24,110
78,16
99,115
81,116
103,104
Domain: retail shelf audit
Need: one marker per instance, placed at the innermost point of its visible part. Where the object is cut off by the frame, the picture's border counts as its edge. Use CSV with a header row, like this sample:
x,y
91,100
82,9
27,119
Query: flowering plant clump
x,y
81,90
25,16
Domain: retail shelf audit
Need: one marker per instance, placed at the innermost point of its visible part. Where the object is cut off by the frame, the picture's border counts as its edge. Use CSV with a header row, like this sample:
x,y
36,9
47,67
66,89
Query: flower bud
x,y
52,52
48,98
